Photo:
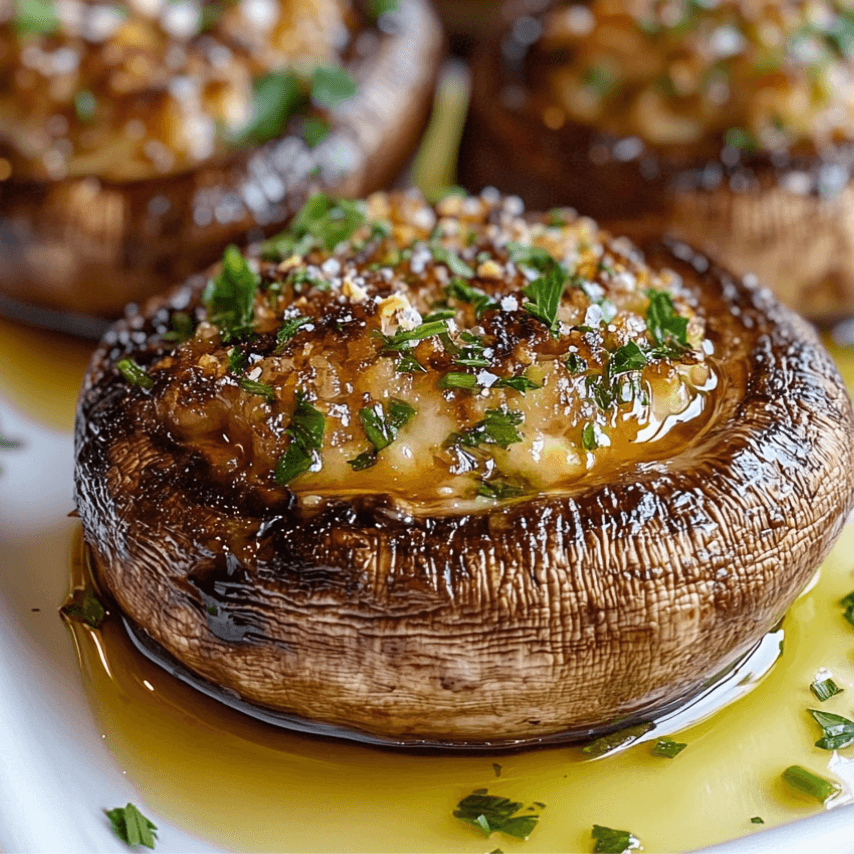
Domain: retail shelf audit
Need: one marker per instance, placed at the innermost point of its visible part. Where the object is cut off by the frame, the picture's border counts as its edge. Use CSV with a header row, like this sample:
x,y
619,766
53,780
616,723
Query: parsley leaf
x,y
848,604
332,85
824,689
629,357
520,384
134,373
490,813
667,327
289,328
837,732
589,440
182,328
404,338
84,607
229,297
811,784
544,295
607,743
383,423
276,97
315,130
255,387
8,444
451,260
408,364
610,841
575,364
462,291
306,434
668,747
457,379
501,488
757,820
131,826
497,428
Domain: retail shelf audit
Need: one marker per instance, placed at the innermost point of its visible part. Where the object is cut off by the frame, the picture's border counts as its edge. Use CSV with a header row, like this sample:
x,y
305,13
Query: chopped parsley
x,y
589,439
381,425
757,820
322,223
134,373
8,444
255,387
824,689
497,428
608,841
607,743
668,747
332,85
629,357
377,8
848,604
237,360
277,96
306,434
408,364
84,607
229,296
837,731
315,130
451,260
131,826
457,379
669,330
520,384
575,364
490,813
289,328
403,339
182,328
501,488
472,354
810,784
462,291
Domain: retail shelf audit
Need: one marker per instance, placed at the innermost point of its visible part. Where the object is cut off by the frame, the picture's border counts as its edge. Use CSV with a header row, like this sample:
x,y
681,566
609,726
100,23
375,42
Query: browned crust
x,y
90,247
800,243
556,615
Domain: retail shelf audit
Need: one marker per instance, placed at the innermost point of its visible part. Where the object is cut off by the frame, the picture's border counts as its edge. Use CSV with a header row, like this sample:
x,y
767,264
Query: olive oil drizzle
x,y
245,784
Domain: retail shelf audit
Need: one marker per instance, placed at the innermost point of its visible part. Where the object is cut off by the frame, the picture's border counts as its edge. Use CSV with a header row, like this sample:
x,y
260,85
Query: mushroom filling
x,y
125,91
449,356
750,73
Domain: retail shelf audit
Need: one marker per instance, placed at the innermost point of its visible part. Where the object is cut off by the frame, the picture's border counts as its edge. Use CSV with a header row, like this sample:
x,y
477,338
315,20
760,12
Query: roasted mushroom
x,y
729,125
136,141
458,475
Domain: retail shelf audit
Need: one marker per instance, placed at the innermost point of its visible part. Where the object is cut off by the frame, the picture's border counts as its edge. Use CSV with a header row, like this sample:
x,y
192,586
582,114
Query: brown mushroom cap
x,y
785,217
544,618
79,249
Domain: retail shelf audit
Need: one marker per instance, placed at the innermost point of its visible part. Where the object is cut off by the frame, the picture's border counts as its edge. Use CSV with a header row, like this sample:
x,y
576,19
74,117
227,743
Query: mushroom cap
x,y
76,251
547,618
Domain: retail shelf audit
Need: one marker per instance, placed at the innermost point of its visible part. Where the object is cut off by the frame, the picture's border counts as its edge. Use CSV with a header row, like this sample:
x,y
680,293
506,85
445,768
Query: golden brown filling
x,y
449,356
754,73
124,91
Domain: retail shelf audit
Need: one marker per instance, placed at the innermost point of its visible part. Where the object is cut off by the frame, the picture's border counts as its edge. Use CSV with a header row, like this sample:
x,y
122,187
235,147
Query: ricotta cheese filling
x,y
447,356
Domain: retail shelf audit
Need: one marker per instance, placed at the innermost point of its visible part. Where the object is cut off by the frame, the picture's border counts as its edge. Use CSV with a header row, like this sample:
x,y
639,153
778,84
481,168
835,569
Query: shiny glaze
x,y
554,614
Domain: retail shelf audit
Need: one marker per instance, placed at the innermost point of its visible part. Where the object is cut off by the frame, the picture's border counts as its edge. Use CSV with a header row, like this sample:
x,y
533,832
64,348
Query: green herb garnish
x,y
500,488
237,360
408,364
520,384
182,328
824,689
612,741
848,604
757,820
377,8
277,96
544,295
404,338
306,434
497,428
332,85
289,328
134,373
456,379
610,841
254,387
328,221
575,364
589,441
84,607
666,326
837,732
230,295
811,784
382,423
7,444
315,130
489,813
462,291
741,139
629,357
668,747
451,260
131,826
